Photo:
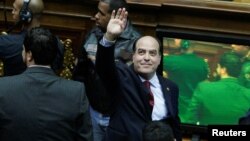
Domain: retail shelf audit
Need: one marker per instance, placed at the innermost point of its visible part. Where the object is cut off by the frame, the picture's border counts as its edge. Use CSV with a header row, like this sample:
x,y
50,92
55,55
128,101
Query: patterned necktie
x,y
151,96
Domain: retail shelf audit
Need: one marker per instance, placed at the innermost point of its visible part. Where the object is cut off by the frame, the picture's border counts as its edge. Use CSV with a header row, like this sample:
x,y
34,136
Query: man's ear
x,y
223,70
29,56
133,57
247,76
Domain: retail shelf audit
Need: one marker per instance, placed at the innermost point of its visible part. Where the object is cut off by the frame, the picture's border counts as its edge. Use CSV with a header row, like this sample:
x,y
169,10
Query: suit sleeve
x,y
106,69
83,121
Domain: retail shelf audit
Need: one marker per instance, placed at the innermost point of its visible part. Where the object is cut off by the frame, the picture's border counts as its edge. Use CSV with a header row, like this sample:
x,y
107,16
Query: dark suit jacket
x,y
11,47
130,106
37,105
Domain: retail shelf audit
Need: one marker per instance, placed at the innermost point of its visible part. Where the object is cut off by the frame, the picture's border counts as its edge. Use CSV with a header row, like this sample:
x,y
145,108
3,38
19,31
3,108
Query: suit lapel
x,y
167,95
144,94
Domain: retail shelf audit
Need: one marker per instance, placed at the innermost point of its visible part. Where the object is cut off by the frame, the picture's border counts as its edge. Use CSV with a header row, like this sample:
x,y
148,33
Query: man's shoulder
x,y
71,83
91,37
131,31
65,86
167,81
11,44
208,86
63,80
172,58
134,32
95,31
6,81
209,83
12,38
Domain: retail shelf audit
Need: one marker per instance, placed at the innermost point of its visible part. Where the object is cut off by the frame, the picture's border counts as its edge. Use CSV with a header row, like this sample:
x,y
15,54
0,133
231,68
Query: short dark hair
x,y
42,44
185,44
232,62
245,120
245,70
116,4
157,131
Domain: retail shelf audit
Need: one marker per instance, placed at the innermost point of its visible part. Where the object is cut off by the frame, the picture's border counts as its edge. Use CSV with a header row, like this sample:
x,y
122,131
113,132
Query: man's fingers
x,y
125,16
113,14
118,14
122,15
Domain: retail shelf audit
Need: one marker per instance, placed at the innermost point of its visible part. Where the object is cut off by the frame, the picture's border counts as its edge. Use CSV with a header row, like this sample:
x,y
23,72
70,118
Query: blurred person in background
x,y
27,14
84,71
223,101
157,131
186,69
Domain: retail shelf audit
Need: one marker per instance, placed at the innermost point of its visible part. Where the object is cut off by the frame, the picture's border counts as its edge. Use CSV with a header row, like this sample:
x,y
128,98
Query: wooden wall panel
x,y
222,17
73,19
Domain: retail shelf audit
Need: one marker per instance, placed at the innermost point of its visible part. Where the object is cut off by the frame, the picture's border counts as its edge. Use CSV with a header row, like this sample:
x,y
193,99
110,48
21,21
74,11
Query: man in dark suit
x,y
132,103
123,51
27,14
37,104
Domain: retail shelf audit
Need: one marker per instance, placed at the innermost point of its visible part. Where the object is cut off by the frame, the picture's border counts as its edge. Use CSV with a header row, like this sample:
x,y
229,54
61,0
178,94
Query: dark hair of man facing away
x,y
157,131
41,40
245,120
244,77
46,106
11,45
115,4
232,63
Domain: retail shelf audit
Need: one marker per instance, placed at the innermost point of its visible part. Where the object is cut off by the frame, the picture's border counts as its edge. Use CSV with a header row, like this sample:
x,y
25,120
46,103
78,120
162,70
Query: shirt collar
x,y
42,66
153,81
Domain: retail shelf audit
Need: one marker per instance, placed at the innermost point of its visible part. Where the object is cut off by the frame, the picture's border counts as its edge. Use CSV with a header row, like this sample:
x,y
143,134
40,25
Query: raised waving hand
x,y
116,24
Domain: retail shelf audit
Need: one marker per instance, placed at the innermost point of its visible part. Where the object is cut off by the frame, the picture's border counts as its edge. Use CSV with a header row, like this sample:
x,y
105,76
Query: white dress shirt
x,y
160,107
